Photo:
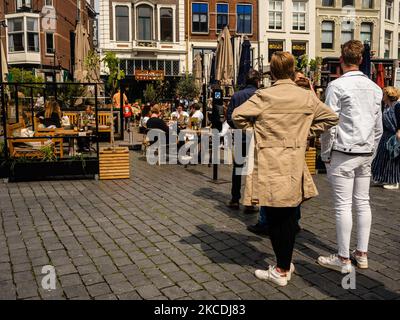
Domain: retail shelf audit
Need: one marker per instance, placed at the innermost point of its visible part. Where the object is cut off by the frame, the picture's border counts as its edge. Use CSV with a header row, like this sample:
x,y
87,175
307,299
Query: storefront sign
x,y
275,46
149,75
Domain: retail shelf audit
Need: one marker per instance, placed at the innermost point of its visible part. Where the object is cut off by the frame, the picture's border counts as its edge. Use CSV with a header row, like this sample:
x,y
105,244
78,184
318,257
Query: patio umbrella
x,y
380,79
82,48
212,69
237,51
245,62
365,67
198,71
225,60
4,64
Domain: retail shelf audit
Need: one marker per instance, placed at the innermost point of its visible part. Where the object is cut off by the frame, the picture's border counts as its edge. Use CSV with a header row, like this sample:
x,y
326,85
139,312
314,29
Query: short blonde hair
x,y
392,93
155,109
283,65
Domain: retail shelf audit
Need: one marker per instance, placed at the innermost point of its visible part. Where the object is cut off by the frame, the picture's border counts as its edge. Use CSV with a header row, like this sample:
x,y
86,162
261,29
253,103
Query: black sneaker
x,y
250,209
258,229
233,205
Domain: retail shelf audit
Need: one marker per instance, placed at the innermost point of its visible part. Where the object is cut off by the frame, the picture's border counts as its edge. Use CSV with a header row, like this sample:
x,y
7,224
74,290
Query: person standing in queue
x,y
282,118
252,84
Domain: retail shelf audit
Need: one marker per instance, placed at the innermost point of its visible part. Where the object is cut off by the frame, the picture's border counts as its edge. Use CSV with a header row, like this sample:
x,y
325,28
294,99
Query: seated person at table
x,y
181,116
89,114
51,115
198,115
155,122
143,122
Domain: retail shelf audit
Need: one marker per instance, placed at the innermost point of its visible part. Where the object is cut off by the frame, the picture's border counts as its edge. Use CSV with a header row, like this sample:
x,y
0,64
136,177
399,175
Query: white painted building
x,y
145,35
287,25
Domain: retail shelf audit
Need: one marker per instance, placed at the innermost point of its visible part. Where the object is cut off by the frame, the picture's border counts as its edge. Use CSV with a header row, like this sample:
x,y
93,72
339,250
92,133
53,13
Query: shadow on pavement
x,y
328,283
227,247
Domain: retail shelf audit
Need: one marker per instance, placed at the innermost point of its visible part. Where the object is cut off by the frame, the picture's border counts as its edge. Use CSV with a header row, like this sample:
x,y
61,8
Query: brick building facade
x,y
36,29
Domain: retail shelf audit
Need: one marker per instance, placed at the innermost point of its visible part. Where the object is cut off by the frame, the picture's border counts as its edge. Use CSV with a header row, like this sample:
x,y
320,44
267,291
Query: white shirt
x,y
198,115
357,102
178,115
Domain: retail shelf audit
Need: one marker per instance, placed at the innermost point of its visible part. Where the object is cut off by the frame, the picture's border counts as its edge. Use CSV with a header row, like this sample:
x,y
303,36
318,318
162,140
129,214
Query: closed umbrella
x,y
198,71
225,60
365,66
245,62
380,79
82,48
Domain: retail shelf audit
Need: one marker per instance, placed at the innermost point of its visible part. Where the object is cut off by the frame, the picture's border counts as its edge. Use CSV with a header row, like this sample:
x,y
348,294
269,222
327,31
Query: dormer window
x,y
24,5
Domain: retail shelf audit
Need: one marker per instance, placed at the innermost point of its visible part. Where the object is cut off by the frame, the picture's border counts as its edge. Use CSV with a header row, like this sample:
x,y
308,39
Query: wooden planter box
x,y
311,159
114,164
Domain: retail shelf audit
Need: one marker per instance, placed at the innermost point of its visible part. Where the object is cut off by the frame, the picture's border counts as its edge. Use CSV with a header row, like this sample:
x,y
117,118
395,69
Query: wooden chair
x,y
104,119
58,142
73,117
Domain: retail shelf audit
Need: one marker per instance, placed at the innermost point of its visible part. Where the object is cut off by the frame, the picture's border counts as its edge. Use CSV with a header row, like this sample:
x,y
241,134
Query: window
x,y
16,39
122,23
347,3
367,4
145,22
398,48
50,47
274,46
388,44
327,3
166,25
22,4
327,35
275,15
299,49
299,15
244,18
366,32
389,10
222,16
32,34
347,31
200,17
49,3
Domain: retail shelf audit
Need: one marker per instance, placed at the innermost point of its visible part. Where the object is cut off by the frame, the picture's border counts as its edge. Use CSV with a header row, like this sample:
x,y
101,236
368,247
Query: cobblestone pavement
x,y
166,234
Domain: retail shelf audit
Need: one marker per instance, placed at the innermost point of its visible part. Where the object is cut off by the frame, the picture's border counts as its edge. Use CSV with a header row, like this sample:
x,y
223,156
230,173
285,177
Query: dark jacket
x,y
237,100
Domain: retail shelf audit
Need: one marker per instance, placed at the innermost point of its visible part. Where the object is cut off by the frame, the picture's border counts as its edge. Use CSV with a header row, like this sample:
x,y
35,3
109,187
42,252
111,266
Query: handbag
x,y
127,111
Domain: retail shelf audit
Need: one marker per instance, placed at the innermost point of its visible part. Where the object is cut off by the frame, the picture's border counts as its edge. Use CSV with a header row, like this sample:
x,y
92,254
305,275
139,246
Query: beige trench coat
x,y
282,118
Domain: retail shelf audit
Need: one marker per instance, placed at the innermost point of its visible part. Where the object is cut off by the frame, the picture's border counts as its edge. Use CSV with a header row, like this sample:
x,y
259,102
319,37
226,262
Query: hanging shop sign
x,y
149,75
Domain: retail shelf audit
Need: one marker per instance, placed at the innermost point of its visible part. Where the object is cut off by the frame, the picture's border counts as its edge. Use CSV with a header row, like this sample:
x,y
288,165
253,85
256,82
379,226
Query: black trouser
x,y
282,231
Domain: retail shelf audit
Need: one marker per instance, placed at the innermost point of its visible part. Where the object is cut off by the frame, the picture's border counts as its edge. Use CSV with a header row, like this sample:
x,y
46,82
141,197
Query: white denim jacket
x,y
357,101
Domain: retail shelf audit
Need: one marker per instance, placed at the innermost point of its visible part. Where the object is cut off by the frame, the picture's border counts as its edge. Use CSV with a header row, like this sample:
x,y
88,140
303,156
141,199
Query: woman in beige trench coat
x,y
282,118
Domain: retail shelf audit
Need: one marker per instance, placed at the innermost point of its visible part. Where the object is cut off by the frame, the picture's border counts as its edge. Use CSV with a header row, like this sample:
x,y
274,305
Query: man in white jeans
x,y
348,150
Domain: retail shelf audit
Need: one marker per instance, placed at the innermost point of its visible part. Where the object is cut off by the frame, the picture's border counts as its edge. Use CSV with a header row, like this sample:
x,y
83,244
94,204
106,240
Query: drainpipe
x,y
187,36
260,66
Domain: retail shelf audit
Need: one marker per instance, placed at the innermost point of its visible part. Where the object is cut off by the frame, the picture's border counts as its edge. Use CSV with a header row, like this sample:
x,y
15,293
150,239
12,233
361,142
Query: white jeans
x,y
350,179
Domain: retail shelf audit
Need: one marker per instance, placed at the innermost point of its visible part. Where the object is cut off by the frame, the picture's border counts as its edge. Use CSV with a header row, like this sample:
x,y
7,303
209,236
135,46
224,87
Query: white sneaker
x,y
291,271
272,275
362,261
392,186
335,263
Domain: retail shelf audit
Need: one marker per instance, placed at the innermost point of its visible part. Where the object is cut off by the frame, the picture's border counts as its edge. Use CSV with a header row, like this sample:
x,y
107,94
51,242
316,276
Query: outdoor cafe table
x,y
72,134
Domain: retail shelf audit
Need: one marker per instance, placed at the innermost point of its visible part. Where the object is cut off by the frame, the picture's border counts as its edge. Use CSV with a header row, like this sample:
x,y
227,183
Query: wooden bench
x,y
17,151
73,117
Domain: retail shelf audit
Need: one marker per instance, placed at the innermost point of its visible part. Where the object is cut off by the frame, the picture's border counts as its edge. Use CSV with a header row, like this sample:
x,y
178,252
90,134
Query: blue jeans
x,y
263,216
